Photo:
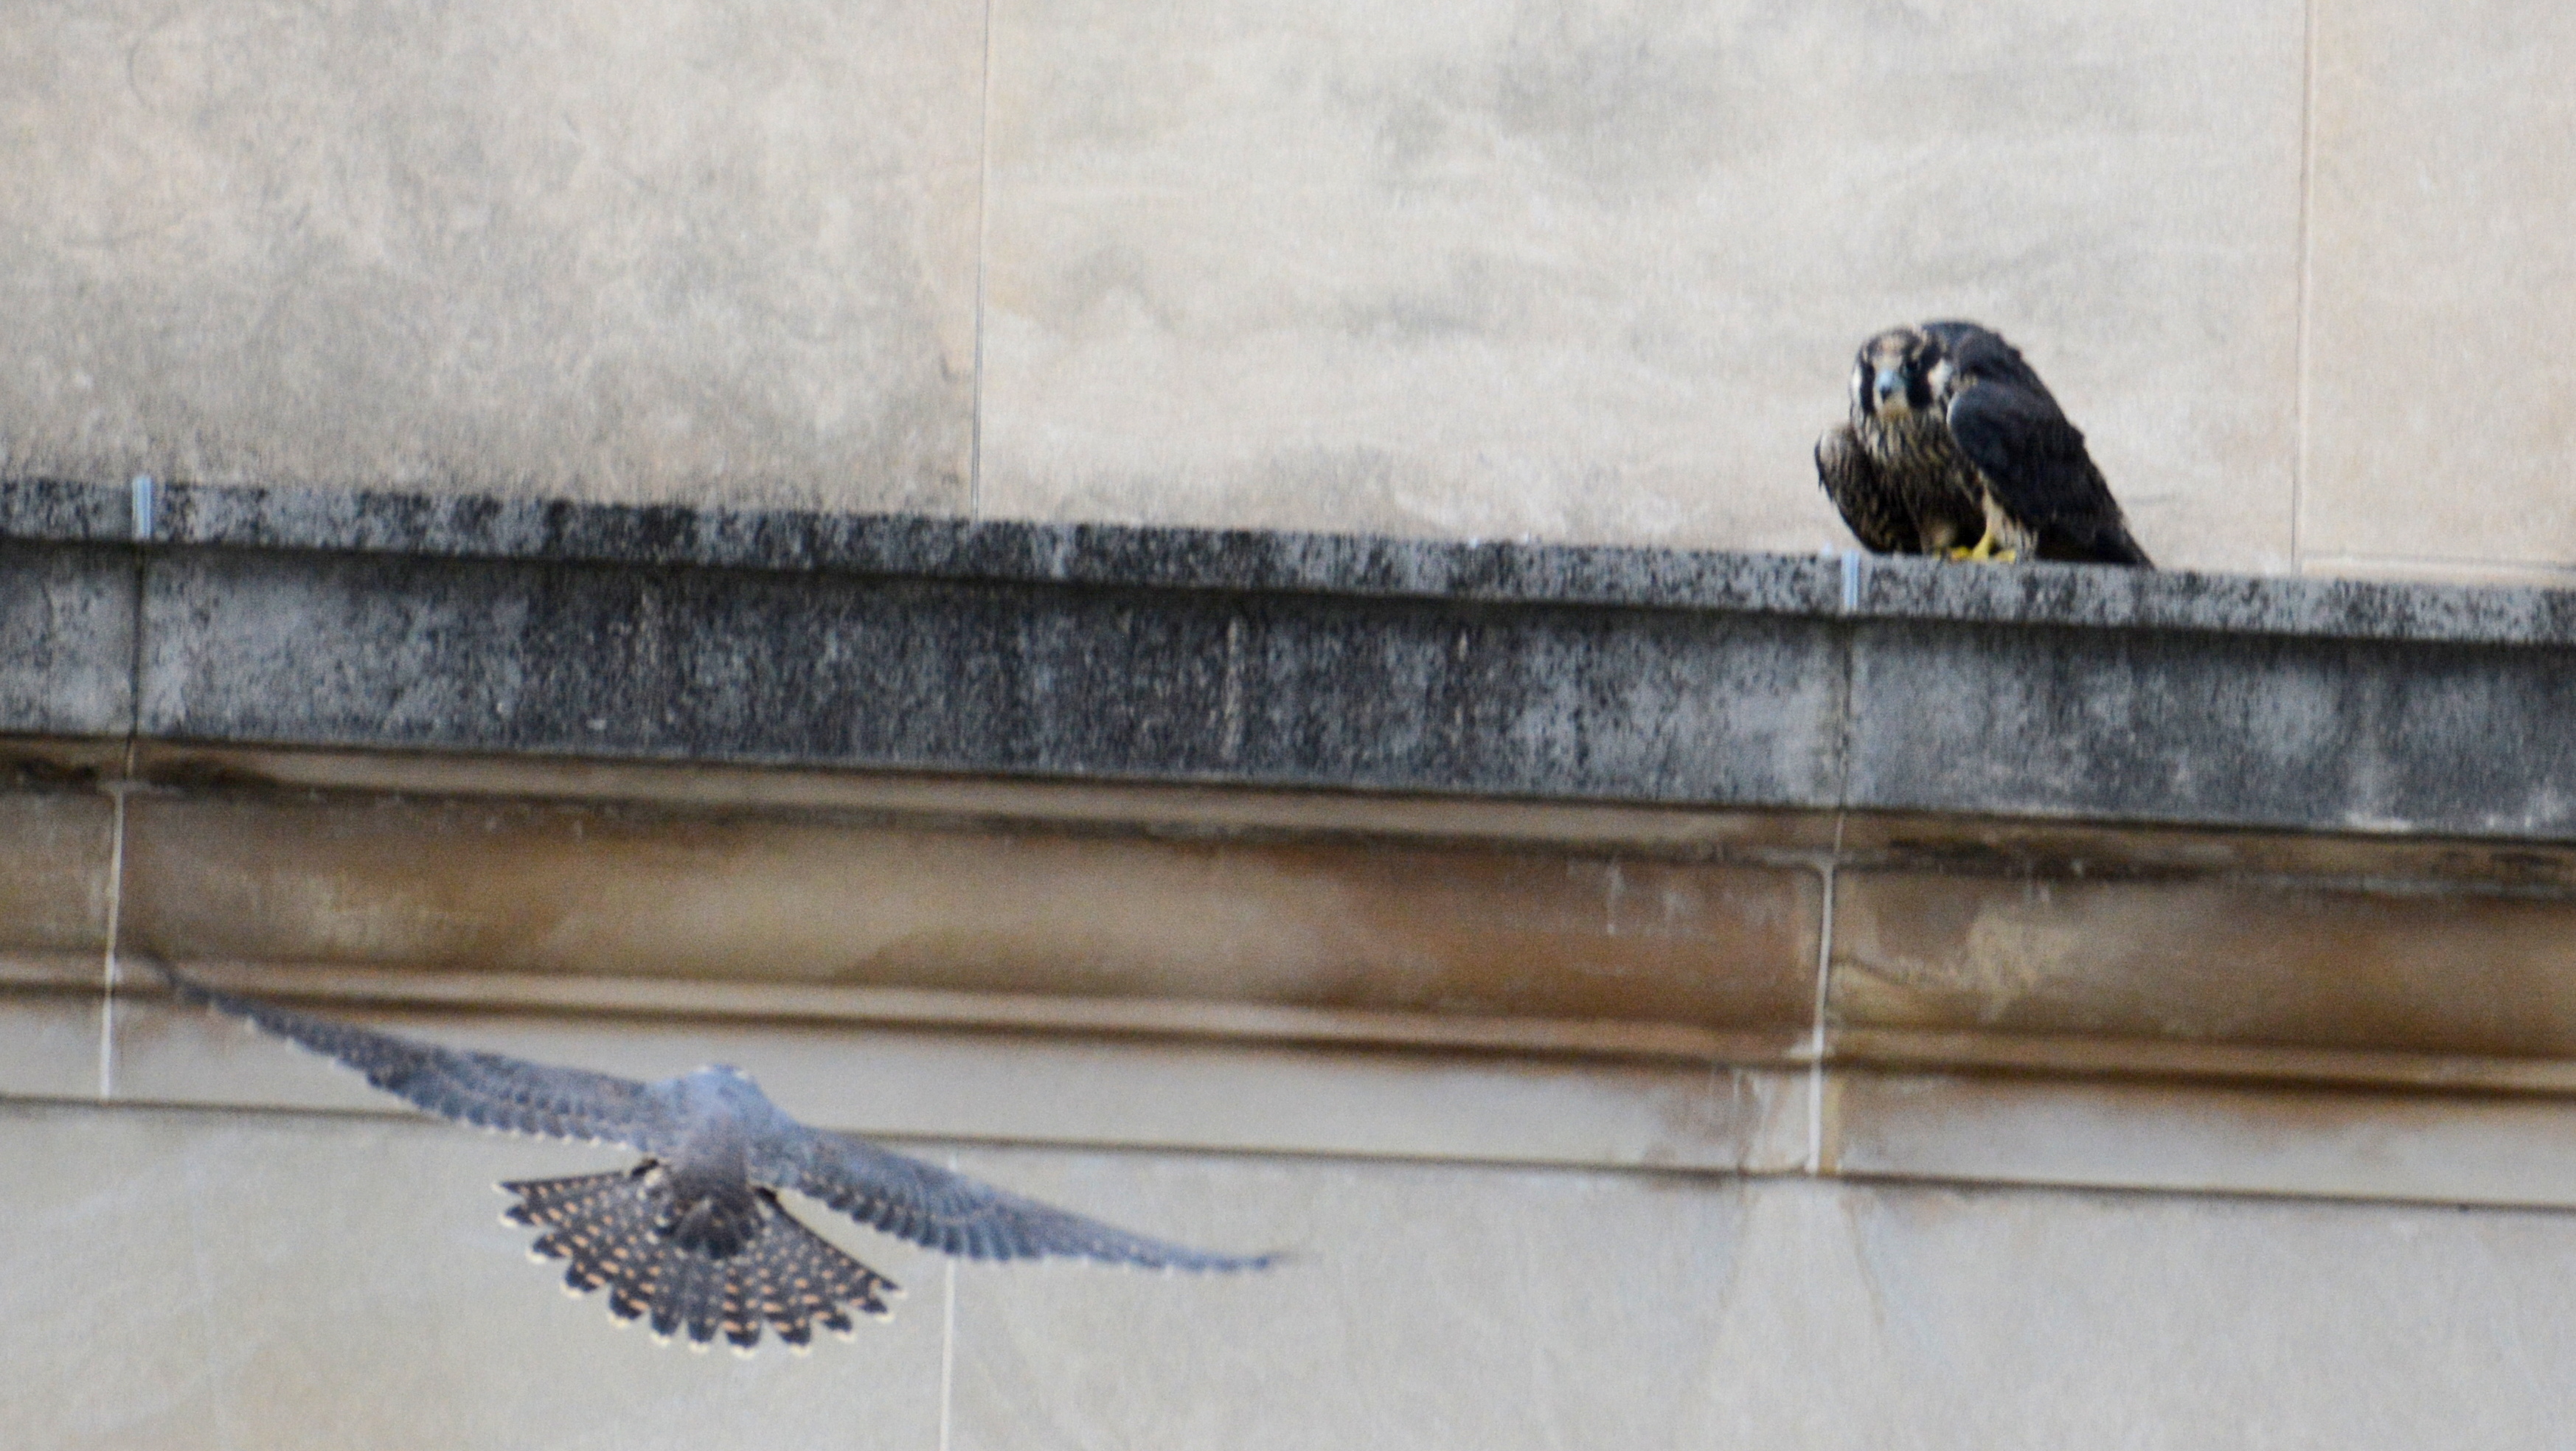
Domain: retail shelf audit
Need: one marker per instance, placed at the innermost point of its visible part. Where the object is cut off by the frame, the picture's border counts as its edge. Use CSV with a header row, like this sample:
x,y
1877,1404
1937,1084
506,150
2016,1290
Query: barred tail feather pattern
x,y
786,1277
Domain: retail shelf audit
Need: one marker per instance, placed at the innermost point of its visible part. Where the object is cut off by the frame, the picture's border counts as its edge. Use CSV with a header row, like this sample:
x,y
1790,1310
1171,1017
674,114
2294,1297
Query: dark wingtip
x,y
2121,549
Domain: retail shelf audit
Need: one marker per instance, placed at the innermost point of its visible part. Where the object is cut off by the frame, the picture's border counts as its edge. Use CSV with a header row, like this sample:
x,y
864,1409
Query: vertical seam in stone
x,y
1854,566
1816,1044
143,528
2299,364
1848,632
983,246
115,928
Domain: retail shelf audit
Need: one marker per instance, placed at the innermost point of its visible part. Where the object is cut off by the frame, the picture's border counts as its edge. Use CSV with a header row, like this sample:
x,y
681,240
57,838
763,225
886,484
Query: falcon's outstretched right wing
x,y
485,1089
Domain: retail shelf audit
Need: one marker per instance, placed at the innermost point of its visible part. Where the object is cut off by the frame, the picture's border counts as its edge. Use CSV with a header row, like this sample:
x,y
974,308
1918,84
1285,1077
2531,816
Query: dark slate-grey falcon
x,y
693,1238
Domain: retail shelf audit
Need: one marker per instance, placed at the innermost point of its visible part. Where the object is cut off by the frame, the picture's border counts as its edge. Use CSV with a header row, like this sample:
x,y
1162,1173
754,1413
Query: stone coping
x,y
1270,561
515,628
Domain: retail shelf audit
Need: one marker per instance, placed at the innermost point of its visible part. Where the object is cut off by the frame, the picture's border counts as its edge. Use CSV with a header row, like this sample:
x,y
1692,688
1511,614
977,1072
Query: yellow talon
x,y
1984,551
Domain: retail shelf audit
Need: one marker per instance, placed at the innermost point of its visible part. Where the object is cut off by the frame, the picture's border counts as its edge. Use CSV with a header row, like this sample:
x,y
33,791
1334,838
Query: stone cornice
x,y
509,627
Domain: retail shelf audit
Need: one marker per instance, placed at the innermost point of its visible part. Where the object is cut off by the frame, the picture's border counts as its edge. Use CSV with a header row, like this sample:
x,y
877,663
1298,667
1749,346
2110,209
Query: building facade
x,y
946,557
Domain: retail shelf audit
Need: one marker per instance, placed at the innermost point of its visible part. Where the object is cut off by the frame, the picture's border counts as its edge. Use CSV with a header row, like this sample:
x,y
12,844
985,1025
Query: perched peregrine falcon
x,y
694,1237
1955,448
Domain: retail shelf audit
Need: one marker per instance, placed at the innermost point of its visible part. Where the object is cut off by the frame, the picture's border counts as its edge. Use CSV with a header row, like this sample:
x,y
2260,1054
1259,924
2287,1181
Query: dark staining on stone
x,y
29,771
480,625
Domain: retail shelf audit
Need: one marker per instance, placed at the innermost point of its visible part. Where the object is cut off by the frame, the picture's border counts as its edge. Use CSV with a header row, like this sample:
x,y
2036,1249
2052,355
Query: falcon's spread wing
x,y
485,1089
949,1212
694,1237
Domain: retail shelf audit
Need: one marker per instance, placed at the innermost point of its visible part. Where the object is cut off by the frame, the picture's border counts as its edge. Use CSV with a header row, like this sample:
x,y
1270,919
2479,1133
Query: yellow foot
x,y
1984,552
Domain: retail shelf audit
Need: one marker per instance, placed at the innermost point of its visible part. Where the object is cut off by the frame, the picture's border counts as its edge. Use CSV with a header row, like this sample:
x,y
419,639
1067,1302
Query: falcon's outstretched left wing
x,y
485,1089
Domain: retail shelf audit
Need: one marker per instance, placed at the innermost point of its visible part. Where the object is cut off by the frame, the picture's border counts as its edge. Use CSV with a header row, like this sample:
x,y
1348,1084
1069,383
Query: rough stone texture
x,y
376,622
66,639
65,509
2229,604
2173,726
912,546
1343,564
1597,270
1587,827
923,674
607,250
2443,287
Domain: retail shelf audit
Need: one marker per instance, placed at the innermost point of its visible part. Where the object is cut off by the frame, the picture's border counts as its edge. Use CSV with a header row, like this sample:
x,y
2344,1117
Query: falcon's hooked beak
x,y
1887,388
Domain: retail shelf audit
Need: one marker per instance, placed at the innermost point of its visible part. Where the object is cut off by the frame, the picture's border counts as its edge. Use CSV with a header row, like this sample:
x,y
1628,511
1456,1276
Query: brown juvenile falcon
x,y
1955,448
694,1237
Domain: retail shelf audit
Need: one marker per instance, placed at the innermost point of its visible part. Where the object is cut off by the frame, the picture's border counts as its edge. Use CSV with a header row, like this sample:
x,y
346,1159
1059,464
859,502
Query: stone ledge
x,y
904,546
1408,925
486,627
1329,972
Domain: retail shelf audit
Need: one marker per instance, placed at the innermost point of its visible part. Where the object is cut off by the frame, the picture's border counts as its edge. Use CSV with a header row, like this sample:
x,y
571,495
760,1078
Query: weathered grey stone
x,y
1252,560
2234,604
66,635
480,625
939,548
829,668
65,509
2203,726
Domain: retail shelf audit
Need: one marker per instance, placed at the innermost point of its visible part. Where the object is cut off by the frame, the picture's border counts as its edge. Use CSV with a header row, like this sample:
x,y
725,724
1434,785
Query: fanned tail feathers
x,y
610,1227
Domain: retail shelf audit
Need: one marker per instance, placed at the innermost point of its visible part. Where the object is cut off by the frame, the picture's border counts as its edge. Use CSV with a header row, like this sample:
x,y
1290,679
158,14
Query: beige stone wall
x,y
182,1280
1587,271
2141,1138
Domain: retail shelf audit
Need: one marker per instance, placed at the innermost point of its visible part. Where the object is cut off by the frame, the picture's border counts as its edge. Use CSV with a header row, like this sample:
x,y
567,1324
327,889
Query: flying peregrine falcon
x,y
694,1236
1954,439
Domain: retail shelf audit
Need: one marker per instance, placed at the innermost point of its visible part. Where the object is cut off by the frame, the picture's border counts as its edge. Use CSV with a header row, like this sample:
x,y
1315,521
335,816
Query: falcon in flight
x,y
1955,448
693,1236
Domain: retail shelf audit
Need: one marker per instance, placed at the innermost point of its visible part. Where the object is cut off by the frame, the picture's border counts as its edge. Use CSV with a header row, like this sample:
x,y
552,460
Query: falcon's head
x,y
1900,372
